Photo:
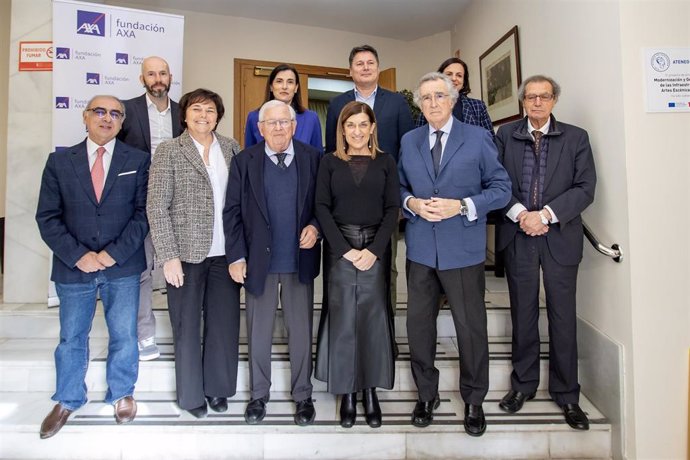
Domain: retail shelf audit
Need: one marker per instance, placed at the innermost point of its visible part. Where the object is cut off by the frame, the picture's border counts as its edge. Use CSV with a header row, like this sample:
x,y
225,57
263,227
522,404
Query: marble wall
x,y
29,141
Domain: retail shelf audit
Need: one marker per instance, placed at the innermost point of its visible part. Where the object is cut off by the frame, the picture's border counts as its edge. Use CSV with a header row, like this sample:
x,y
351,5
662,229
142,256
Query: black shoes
x,y
199,412
348,410
372,410
256,410
514,400
475,422
575,417
424,412
305,413
217,404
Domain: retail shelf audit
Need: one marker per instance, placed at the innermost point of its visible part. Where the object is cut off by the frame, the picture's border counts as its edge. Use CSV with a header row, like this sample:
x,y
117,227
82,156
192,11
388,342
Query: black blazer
x,y
136,130
73,223
568,186
393,119
245,217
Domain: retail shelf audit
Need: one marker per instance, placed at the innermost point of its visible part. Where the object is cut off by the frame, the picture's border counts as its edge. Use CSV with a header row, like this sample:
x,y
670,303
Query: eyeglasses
x,y
100,112
546,97
439,97
273,124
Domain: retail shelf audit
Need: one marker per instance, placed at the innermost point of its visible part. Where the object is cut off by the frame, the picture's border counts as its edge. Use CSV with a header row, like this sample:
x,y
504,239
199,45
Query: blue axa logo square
x,y
93,78
121,58
62,53
62,102
90,23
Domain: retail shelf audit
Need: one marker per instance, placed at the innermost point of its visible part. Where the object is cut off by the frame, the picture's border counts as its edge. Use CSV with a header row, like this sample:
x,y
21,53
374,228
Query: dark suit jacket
x,y
568,186
393,119
245,217
72,223
136,130
469,169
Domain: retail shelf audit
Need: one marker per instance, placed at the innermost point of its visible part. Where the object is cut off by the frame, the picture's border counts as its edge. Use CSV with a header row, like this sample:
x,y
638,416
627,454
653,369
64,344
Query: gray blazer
x,y
180,199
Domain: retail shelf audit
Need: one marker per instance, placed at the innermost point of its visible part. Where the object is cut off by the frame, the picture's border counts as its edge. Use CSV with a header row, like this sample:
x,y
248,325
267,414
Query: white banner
x,y
99,50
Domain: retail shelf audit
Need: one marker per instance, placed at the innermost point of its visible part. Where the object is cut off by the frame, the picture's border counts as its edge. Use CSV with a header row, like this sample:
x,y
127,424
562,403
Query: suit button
x,y
436,191
268,250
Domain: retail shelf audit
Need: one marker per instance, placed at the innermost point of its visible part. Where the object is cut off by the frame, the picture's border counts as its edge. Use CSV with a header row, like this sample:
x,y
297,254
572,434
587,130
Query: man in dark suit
x,y
552,171
450,178
151,118
393,120
92,215
271,241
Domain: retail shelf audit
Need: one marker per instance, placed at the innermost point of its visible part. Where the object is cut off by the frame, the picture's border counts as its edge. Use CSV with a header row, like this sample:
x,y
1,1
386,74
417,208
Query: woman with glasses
x,y
187,183
466,109
357,202
283,84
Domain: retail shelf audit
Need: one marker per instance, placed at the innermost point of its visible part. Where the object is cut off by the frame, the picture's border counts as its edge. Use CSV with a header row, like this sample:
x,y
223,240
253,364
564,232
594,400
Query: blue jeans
x,y
77,307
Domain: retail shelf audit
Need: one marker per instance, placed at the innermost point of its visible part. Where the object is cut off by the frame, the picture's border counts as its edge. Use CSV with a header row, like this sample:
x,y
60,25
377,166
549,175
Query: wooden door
x,y
387,79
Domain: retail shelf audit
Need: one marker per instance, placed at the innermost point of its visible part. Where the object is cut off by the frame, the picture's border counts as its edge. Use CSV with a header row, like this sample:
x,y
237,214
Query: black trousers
x,y
207,368
525,257
464,288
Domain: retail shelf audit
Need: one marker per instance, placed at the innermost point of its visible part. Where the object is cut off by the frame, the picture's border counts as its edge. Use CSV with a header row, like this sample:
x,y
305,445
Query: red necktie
x,y
98,173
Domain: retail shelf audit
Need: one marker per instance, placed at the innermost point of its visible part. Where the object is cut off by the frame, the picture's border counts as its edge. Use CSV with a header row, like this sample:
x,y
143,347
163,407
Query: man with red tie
x,y
92,215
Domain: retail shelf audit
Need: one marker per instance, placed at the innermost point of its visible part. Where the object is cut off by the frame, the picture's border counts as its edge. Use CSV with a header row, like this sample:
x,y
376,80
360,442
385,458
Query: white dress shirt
x,y
160,123
218,174
91,148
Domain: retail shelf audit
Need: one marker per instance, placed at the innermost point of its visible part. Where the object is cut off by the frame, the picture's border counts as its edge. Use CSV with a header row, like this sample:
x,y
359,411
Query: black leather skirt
x,y
354,348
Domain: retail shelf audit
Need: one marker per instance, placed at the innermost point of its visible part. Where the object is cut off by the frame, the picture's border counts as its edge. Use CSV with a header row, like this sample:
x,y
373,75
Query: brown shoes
x,y
125,410
55,420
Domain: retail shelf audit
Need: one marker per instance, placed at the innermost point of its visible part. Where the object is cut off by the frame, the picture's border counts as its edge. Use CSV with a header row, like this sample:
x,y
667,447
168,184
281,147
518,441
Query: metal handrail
x,y
615,252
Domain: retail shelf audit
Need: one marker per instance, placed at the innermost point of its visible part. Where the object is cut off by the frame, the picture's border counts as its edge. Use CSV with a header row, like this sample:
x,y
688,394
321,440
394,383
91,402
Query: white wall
x,y
658,160
5,11
642,303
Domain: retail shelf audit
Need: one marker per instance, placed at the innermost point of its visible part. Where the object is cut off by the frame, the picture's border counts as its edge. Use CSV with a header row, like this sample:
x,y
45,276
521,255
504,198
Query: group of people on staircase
x,y
154,183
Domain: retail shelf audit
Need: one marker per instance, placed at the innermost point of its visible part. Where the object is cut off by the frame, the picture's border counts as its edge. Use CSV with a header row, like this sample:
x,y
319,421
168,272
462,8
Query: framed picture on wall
x,y
500,78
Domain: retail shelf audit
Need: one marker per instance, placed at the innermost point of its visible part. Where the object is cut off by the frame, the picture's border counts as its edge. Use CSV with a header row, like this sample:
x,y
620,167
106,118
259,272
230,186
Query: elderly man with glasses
x,y
92,215
552,170
272,247
450,179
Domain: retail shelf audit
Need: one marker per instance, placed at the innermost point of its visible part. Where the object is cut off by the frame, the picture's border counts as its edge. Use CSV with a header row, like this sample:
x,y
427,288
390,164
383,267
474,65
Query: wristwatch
x,y
464,210
544,220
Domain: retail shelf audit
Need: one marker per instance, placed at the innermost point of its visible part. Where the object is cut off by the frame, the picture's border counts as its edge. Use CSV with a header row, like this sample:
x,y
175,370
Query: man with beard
x,y
151,118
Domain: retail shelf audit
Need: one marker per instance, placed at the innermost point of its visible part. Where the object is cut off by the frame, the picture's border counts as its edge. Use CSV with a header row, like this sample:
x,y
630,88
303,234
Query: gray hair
x,y
275,103
539,79
122,106
434,76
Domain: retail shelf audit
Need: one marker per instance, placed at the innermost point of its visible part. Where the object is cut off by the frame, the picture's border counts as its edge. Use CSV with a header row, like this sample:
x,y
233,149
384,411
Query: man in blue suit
x,y
151,118
92,215
393,120
450,178
272,247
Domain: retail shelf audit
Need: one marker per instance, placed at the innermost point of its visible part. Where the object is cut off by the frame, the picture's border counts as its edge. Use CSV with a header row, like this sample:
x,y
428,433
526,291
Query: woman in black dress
x,y
357,201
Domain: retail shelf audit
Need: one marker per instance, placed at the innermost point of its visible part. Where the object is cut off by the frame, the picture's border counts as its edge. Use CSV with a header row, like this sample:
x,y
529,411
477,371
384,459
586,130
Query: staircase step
x,y
162,431
28,365
36,321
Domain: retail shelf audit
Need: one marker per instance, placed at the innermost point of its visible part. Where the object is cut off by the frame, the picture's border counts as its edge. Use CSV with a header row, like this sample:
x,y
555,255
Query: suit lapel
x,y
424,150
256,177
80,162
303,173
120,155
143,117
175,118
456,138
191,153
556,144
379,102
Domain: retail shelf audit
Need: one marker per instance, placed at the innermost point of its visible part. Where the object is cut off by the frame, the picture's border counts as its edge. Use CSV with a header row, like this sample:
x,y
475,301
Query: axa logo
x,y
93,78
62,53
90,23
121,58
62,102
